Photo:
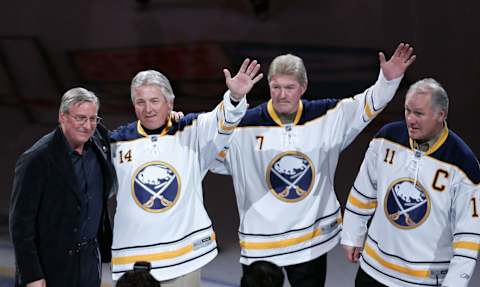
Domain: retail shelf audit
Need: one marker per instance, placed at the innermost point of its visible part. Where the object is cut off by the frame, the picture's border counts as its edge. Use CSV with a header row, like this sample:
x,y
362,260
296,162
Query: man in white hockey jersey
x,y
160,217
283,158
419,181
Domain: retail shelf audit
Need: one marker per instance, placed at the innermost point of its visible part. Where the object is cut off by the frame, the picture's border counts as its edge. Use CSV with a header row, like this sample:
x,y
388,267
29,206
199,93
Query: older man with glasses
x,y
58,220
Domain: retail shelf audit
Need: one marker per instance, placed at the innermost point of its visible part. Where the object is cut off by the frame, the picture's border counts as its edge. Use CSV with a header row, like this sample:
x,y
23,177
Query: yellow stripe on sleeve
x,y
466,245
357,203
368,111
223,126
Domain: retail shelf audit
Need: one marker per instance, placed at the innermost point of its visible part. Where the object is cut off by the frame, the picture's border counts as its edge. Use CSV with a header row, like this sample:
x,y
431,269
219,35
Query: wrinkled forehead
x,y
149,92
420,99
85,107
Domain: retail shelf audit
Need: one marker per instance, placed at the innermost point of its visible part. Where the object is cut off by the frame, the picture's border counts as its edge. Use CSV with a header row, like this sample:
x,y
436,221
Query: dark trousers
x,y
307,274
365,280
89,266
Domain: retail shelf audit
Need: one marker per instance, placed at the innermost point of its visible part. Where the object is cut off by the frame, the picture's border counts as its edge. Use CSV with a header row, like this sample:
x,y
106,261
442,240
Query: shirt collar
x,y
433,144
70,150
164,131
276,117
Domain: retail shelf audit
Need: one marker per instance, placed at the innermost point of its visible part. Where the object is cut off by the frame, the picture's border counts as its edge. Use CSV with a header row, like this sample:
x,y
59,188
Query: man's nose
x,y
410,118
148,107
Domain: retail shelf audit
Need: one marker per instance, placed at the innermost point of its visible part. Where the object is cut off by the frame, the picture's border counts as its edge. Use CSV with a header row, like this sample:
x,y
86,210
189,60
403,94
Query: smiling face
x,y
78,132
151,106
423,119
285,91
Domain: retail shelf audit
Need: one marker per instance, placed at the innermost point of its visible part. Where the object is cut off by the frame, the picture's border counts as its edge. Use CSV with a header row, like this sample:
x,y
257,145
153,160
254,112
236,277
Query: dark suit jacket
x,y
45,210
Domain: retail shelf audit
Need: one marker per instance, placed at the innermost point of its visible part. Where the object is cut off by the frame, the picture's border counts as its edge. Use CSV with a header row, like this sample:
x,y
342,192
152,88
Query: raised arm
x,y
357,112
391,71
216,128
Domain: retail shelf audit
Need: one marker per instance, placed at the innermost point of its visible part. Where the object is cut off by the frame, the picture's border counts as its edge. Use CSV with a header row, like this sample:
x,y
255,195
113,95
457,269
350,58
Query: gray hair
x,y
77,95
152,77
431,86
288,64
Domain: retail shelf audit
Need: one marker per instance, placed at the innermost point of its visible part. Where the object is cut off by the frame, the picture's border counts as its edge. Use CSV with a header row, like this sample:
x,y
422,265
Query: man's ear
x,y
61,118
442,115
304,87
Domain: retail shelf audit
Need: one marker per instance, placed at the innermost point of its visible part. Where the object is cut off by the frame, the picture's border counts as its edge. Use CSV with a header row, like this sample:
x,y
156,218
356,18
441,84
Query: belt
x,y
79,246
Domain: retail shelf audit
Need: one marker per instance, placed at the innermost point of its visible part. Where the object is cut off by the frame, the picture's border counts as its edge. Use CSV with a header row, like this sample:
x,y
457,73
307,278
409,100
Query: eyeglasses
x,y
80,119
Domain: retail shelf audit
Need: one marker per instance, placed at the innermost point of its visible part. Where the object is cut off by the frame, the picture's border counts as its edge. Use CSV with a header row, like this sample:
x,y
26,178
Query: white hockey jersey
x,y
160,216
283,174
425,229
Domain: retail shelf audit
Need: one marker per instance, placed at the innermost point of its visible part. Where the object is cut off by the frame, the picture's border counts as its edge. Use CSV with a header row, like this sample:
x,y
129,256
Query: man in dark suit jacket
x,y
58,217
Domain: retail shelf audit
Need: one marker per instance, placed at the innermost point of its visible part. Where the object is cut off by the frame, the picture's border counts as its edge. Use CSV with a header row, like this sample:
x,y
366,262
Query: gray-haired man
x,y
419,186
160,164
58,217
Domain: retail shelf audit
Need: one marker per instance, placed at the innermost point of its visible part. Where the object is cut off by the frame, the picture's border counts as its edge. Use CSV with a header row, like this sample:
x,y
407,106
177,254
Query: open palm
x,y
246,77
396,66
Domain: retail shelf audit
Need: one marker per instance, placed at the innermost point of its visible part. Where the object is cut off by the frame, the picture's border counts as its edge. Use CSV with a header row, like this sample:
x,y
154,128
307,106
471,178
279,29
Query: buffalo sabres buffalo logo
x,y
407,203
156,186
290,176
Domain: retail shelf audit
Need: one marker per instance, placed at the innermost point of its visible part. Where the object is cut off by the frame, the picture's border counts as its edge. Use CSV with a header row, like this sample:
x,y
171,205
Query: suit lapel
x,y
61,159
102,150
100,146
